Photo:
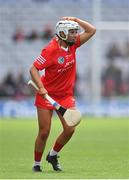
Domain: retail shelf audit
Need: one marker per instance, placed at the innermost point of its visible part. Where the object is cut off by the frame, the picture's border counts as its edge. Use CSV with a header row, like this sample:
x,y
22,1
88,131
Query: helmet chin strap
x,y
69,43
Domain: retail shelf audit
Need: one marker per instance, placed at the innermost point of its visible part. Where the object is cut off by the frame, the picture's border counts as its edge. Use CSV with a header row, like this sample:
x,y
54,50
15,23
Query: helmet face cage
x,y
64,26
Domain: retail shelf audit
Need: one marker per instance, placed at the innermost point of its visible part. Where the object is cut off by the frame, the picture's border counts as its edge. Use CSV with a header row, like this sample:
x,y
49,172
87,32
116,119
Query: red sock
x,y
37,156
57,147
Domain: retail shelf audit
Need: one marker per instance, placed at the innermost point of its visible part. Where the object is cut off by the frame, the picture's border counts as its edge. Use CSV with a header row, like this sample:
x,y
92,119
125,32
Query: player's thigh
x,y
44,118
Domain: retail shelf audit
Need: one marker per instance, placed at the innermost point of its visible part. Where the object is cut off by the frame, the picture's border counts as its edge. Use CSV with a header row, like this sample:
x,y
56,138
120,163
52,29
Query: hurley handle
x,y
52,101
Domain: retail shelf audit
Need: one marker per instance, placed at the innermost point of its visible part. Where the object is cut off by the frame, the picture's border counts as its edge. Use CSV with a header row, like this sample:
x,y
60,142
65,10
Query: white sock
x,y
37,163
53,153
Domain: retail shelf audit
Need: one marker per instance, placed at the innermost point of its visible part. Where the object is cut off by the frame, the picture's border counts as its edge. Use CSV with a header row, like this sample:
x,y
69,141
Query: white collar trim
x,y
66,49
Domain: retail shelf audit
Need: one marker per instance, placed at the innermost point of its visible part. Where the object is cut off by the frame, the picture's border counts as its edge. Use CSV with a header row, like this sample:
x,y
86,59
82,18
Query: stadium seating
x,y
35,14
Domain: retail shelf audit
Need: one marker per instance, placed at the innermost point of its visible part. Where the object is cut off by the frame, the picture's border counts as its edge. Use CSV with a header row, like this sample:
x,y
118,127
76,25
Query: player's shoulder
x,y
52,47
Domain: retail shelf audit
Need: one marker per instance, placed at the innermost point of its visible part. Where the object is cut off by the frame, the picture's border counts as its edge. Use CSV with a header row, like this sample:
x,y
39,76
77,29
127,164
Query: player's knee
x,y
44,134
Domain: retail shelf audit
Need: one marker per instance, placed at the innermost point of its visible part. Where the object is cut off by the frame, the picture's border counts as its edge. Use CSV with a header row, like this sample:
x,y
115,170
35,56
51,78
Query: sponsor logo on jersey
x,y
61,60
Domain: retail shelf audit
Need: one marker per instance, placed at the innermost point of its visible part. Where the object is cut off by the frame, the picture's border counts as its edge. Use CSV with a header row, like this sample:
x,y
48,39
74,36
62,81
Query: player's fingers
x,y
64,18
68,18
43,95
42,91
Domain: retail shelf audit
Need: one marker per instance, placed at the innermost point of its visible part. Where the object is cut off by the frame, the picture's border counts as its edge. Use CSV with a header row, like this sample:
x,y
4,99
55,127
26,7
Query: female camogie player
x,y
58,59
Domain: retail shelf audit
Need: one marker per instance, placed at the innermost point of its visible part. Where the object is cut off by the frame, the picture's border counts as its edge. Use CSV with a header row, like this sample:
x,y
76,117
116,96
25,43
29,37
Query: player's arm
x,y
36,78
89,29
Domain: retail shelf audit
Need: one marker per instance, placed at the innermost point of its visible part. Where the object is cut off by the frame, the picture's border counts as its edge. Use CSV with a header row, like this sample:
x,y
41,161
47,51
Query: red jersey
x,y
60,68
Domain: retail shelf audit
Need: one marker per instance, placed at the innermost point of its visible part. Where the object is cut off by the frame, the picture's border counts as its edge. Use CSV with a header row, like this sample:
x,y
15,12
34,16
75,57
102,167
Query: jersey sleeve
x,y
43,60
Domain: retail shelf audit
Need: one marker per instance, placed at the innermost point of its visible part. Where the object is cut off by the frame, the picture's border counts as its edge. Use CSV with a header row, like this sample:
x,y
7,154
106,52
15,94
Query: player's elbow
x,y
93,30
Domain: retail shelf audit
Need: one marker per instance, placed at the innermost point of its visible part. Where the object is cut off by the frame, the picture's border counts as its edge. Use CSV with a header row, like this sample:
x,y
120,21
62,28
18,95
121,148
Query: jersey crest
x,y
61,60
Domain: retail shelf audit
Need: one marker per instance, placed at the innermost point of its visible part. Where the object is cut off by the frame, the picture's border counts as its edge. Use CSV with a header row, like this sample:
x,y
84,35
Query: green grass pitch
x,y
99,149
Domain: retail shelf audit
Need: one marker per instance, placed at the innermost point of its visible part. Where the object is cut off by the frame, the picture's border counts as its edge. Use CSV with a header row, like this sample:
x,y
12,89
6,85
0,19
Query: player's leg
x,y
66,134
62,139
44,124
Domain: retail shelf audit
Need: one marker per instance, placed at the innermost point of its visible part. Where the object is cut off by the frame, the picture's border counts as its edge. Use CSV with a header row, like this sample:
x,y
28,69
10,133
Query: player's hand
x,y
42,91
69,18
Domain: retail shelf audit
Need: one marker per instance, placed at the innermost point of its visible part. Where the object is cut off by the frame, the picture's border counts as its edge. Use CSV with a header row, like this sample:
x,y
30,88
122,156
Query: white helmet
x,y
65,26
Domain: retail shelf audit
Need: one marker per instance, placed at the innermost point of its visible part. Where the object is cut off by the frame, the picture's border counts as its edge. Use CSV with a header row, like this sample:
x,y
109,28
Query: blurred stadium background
x,y
102,86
